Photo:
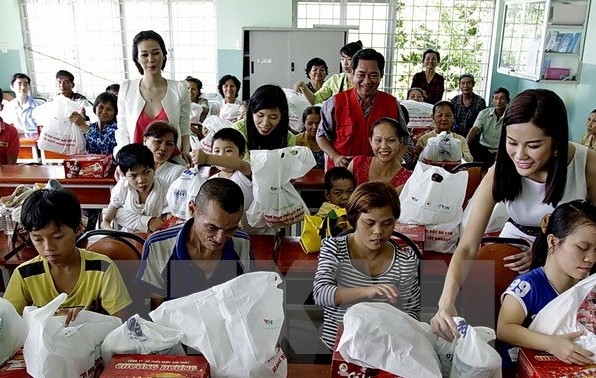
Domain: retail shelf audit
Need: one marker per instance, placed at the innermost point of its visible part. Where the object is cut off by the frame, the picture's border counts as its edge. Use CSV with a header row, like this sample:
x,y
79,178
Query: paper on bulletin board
x,y
568,14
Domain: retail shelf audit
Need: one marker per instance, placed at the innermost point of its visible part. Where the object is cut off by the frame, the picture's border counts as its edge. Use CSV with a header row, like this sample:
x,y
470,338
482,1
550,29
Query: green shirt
x,y
241,126
489,125
332,86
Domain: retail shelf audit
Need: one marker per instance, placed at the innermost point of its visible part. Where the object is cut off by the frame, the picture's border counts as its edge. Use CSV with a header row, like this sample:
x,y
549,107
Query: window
x,y
459,29
369,21
93,40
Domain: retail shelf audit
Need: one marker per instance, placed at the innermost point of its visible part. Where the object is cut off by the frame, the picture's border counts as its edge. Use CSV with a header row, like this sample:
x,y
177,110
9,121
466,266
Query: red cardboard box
x,y
87,166
14,367
342,369
535,364
415,232
136,365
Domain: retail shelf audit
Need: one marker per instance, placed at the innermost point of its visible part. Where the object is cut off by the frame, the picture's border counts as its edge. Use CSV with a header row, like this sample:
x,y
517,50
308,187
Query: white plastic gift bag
x,y
433,196
276,202
183,190
421,113
473,356
572,311
229,112
212,123
53,350
12,330
195,112
443,237
235,325
443,147
377,335
140,336
297,103
58,133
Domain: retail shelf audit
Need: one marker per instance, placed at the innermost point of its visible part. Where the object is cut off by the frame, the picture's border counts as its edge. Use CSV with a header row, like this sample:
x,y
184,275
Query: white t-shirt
x,y
169,172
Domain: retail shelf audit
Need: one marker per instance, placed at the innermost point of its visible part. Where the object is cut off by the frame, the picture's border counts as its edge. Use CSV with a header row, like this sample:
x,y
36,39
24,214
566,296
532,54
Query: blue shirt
x,y
167,268
101,141
465,116
24,114
533,291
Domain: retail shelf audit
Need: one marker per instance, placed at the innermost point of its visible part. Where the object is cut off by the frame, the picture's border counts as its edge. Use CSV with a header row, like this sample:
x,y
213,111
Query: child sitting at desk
x,y
339,185
228,147
138,201
563,254
92,281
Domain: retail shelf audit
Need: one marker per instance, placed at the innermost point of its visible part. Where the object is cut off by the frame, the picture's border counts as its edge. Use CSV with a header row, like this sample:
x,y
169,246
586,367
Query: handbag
x,y
317,228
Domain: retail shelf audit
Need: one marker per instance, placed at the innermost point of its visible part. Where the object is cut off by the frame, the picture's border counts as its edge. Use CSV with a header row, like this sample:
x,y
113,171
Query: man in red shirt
x,y
9,140
346,118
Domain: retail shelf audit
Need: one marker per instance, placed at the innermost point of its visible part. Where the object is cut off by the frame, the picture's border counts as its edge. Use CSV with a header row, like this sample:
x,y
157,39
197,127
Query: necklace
x,y
150,94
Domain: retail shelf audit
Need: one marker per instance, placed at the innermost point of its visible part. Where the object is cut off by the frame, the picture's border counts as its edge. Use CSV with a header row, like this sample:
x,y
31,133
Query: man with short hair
x,y
346,118
205,251
9,140
467,105
19,110
488,124
65,84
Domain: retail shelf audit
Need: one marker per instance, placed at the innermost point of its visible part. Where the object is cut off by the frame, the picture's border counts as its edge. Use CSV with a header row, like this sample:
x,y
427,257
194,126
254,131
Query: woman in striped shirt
x,y
365,265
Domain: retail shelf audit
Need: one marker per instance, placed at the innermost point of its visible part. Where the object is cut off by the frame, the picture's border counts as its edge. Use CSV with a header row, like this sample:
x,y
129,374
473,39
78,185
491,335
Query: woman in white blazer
x,y
152,97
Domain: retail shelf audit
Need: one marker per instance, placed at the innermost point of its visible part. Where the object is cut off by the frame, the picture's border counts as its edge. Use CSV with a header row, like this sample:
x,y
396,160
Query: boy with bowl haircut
x,y
92,281
228,148
138,201
339,185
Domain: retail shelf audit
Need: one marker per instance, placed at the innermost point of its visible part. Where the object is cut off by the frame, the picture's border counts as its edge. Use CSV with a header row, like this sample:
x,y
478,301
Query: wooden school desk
x,y
28,152
92,193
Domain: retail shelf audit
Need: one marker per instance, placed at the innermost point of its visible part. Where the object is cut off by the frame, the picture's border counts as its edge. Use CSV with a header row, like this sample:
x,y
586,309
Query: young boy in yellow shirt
x,y
92,281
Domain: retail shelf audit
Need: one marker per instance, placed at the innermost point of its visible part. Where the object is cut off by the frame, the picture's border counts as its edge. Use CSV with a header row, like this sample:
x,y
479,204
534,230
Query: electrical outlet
x,y
3,48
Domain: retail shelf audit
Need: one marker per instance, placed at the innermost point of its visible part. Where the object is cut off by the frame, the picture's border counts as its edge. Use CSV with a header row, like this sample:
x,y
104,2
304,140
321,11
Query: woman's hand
x,y
387,291
105,225
443,325
187,158
563,347
520,262
342,161
298,86
77,119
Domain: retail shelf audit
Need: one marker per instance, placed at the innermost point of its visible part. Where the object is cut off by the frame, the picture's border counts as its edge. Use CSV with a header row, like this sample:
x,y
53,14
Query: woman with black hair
x,y
336,82
267,121
432,83
535,170
152,97
564,252
316,72
228,87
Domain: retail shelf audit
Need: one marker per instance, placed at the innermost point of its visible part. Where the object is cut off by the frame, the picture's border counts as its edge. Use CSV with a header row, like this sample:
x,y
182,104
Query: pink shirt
x,y
144,121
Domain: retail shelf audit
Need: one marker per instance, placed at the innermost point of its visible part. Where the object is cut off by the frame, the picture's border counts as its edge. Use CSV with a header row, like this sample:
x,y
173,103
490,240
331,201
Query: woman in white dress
x,y
535,170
